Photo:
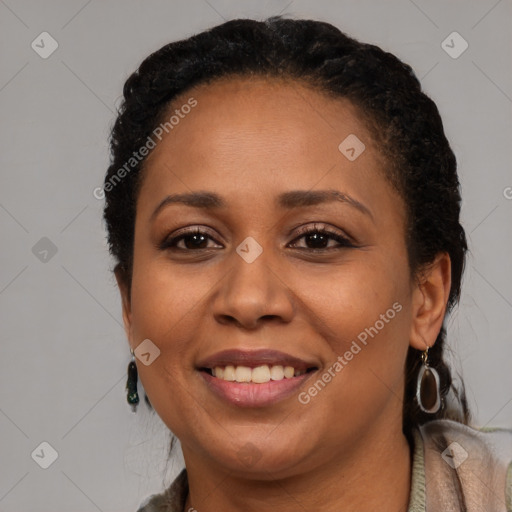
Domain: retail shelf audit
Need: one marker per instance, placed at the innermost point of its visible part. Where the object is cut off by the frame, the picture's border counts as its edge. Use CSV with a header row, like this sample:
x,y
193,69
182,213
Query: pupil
x,y
316,238
198,240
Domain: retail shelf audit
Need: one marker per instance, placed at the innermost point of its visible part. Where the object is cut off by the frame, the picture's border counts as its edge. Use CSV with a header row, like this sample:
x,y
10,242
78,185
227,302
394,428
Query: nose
x,y
253,293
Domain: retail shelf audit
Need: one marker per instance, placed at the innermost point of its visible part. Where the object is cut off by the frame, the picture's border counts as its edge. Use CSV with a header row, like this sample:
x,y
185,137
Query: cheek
x,y
352,298
164,306
364,316
162,300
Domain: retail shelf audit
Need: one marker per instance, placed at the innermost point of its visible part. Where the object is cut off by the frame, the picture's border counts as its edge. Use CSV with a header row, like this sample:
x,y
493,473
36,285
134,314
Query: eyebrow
x,y
286,200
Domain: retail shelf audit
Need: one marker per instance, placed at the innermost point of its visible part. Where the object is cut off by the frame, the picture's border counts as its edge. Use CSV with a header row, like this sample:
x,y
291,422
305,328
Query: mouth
x,y
256,378
257,375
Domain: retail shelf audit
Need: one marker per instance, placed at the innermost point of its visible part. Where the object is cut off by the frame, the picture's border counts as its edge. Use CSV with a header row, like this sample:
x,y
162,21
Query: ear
x,y
430,296
122,283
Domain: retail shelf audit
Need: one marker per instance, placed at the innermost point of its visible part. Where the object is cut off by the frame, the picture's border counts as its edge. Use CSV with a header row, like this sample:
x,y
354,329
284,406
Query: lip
x,y
253,358
244,394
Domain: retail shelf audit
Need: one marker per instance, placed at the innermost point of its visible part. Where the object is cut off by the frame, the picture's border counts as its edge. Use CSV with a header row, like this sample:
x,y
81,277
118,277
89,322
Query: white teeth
x,y
289,372
229,373
259,375
277,372
243,374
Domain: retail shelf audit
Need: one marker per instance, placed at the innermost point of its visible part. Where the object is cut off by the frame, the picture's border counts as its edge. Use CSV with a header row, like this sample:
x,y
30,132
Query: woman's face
x,y
252,290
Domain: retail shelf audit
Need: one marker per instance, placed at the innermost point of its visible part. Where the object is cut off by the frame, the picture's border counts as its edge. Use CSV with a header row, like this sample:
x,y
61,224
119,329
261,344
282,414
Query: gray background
x,y
63,350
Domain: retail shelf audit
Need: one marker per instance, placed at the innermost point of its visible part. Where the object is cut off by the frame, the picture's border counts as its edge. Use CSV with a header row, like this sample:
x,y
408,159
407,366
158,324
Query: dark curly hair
x,y
403,120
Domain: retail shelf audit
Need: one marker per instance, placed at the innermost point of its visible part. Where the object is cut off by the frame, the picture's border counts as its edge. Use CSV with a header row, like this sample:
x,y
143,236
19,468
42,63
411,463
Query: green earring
x,y
131,384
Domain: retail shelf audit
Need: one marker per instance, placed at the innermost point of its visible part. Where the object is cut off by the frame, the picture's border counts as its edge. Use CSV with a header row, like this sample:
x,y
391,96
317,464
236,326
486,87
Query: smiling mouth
x,y
255,375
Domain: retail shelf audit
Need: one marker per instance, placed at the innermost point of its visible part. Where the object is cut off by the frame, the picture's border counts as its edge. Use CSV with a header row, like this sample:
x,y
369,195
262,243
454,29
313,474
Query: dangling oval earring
x,y
428,394
131,384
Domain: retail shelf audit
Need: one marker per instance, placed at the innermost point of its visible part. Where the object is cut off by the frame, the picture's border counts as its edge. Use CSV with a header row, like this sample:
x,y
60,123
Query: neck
x,y
375,475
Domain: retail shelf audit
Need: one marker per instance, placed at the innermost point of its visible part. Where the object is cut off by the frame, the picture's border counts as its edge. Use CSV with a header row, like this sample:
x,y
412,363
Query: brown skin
x,y
249,141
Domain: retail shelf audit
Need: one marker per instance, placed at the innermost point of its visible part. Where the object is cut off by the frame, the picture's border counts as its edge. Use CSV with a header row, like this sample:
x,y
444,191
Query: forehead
x,y
272,110
272,128
252,142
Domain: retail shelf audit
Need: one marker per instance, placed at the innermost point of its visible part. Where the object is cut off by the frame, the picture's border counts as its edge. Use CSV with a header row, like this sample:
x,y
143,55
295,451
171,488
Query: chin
x,y
258,458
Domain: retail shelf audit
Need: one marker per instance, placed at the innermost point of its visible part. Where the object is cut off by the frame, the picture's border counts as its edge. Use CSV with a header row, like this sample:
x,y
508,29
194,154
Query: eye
x,y
192,238
195,239
319,237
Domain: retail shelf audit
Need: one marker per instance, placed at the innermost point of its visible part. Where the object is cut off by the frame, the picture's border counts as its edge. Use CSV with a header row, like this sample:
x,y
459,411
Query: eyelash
x,y
344,242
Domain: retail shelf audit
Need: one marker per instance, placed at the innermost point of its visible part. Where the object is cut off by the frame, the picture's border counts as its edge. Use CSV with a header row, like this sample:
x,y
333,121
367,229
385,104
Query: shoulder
x,y
171,500
467,468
